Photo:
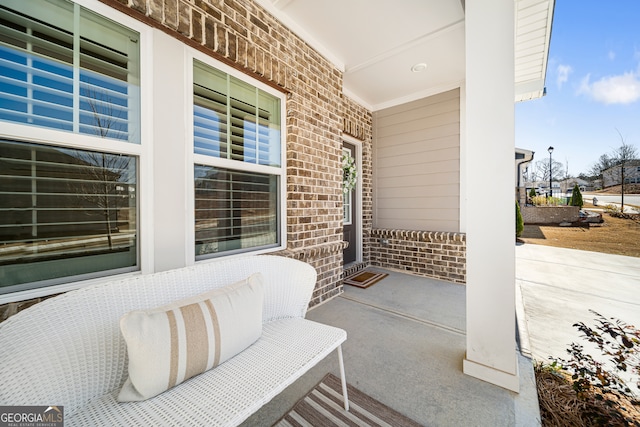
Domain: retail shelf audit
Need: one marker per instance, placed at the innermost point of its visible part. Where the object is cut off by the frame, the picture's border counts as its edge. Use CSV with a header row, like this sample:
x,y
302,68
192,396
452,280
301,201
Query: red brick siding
x,y
440,255
242,34
549,214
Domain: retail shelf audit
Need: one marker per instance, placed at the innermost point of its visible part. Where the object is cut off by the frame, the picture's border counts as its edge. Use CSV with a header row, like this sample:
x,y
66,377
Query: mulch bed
x,y
560,405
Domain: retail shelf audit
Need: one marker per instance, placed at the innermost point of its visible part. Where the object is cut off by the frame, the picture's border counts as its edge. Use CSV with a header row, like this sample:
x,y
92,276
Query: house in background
x,y
229,120
523,159
615,175
567,184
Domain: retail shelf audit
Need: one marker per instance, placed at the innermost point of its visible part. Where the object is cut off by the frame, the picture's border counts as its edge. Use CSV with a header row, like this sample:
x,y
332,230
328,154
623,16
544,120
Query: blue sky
x,y
593,85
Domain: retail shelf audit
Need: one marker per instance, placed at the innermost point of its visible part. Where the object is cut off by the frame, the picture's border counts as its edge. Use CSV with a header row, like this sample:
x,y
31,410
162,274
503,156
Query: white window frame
x,y
58,138
193,159
347,197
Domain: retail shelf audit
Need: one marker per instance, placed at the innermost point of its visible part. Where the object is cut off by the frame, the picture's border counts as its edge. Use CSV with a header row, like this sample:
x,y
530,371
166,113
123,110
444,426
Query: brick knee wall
x,y
327,260
549,214
440,255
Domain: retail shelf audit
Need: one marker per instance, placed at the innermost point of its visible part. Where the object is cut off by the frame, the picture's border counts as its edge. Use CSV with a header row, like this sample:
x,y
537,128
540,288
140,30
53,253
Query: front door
x,y
350,217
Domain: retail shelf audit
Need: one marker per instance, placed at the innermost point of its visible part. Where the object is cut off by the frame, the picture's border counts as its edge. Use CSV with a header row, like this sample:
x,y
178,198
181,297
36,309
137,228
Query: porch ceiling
x,y
377,42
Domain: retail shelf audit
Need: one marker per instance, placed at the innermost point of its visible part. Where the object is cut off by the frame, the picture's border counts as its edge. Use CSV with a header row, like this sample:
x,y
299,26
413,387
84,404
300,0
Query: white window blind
x,y
234,120
66,68
64,213
68,208
235,210
238,171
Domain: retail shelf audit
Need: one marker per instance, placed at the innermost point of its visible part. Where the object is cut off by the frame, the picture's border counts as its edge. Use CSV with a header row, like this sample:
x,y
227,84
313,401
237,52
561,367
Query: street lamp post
x,y
550,150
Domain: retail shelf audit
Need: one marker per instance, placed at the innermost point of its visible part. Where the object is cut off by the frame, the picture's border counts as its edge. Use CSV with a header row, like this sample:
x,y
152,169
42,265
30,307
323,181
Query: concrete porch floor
x,y
405,347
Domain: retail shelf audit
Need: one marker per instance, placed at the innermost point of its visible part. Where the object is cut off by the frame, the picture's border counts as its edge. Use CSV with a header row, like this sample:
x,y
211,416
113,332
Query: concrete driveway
x,y
557,287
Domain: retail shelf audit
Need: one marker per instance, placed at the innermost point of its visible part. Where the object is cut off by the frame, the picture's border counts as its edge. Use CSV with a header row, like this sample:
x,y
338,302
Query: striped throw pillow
x,y
170,344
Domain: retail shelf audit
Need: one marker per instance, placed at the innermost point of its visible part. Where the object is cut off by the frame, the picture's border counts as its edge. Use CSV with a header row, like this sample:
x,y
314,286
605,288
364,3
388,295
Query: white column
x,y
490,219
170,175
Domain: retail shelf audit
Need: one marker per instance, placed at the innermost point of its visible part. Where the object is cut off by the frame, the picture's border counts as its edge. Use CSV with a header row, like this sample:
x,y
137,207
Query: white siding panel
x,y
539,33
420,224
424,139
415,214
402,166
419,157
417,164
411,192
416,115
418,123
424,102
445,203
420,180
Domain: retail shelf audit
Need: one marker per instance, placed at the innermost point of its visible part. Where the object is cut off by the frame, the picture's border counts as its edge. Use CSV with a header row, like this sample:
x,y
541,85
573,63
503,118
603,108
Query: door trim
x,y
358,196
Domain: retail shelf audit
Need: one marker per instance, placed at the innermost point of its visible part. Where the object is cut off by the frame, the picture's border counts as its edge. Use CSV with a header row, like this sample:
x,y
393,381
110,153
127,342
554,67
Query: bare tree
x,y
102,172
542,170
603,163
621,157
529,174
104,186
106,116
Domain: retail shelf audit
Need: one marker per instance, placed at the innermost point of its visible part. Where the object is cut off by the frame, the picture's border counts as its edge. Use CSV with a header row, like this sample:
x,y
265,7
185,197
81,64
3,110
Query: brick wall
x,y
245,36
549,214
441,255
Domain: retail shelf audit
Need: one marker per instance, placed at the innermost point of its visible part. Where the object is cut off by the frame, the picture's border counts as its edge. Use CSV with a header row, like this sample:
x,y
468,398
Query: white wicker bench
x,y
69,350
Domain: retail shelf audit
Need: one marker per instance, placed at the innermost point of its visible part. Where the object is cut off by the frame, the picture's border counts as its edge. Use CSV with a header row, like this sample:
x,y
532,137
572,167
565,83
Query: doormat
x,y
323,406
364,279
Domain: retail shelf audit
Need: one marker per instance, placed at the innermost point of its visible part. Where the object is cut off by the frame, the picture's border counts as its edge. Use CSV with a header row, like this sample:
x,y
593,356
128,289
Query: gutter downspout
x,y
519,168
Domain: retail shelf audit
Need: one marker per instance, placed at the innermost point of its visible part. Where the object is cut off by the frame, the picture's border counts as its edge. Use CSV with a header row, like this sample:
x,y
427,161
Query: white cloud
x,y
563,74
612,55
620,89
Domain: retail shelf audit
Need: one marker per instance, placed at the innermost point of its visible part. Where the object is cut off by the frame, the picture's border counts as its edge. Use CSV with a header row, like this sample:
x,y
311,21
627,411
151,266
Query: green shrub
x,y
576,197
532,193
546,201
519,220
612,209
539,200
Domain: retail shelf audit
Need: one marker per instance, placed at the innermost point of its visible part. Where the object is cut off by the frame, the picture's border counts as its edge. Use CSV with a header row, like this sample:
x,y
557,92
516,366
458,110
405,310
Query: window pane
x,y
80,78
268,129
243,121
234,210
64,213
209,112
346,207
233,119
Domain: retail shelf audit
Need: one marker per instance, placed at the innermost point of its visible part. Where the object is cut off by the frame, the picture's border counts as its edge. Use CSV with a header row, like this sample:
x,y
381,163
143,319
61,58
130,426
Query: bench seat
x,y
236,389
68,350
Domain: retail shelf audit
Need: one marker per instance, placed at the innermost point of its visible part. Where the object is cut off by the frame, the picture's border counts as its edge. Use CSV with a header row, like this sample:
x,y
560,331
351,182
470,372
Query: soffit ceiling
x,y
533,34
377,42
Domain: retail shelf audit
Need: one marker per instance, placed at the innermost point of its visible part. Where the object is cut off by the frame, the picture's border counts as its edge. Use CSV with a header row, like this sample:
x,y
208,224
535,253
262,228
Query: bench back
x,y
68,350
